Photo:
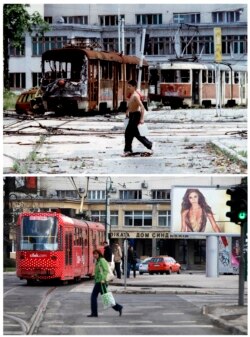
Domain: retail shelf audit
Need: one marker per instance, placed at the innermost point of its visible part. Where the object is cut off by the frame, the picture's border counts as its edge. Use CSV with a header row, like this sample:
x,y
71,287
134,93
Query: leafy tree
x,y
17,21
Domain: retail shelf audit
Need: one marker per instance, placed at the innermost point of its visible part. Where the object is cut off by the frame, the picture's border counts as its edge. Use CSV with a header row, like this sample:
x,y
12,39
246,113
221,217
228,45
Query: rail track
x,y
38,144
26,327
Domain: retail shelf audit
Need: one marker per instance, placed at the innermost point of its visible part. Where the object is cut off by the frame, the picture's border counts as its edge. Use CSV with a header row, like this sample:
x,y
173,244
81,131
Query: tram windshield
x,y
39,233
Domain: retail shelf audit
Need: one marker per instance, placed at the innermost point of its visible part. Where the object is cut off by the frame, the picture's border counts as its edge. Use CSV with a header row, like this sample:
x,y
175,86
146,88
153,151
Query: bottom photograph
x,y
136,241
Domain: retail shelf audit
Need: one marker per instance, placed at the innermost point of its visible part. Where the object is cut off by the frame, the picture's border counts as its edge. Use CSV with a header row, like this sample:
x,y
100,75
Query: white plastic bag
x,y
108,300
107,297
143,129
125,122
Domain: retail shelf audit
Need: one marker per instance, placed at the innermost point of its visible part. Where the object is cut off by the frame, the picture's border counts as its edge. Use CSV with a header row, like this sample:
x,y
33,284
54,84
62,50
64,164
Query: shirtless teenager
x,y
135,113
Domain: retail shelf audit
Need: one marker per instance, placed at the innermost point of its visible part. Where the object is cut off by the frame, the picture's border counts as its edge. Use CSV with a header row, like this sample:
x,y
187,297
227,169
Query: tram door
x,y
68,253
93,84
195,87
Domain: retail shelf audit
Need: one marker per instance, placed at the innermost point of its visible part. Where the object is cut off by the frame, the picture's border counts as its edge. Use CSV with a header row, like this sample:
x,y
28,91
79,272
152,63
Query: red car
x,y
163,264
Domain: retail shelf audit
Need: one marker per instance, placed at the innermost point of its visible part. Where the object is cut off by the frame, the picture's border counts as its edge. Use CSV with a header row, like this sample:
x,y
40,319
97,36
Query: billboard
x,y
201,210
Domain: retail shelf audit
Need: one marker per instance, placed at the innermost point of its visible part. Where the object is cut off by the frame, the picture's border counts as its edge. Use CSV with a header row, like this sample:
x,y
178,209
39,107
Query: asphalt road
x,y
64,312
185,142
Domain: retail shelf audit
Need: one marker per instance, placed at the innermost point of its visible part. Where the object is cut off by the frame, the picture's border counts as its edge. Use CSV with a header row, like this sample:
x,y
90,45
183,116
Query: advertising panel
x,y
198,209
229,256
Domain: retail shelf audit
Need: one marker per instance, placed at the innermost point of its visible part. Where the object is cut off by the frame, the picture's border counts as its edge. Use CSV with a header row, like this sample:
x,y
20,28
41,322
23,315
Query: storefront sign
x,y
145,235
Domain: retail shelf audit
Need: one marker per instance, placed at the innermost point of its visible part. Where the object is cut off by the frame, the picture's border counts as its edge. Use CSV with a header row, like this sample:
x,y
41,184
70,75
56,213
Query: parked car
x,y
163,264
138,261
143,266
27,101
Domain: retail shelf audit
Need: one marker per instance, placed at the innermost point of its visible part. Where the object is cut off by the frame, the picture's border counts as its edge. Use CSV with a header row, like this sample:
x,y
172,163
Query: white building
x,y
172,30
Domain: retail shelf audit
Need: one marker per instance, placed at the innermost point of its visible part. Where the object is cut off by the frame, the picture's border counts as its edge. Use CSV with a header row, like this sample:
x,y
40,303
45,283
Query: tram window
x,y
168,76
106,70
77,236
227,77
39,233
236,77
185,76
94,239
119,68
129,72
204,76
210,76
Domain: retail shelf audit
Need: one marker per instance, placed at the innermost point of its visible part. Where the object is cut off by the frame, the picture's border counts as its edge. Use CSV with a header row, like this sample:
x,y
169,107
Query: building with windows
x,y
172,31
135,208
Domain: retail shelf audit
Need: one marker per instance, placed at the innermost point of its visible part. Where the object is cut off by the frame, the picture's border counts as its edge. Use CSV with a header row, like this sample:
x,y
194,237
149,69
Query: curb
x,y
230,152
223,323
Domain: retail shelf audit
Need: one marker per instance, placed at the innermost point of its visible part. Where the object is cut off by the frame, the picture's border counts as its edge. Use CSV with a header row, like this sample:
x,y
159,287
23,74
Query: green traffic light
x,y
242,215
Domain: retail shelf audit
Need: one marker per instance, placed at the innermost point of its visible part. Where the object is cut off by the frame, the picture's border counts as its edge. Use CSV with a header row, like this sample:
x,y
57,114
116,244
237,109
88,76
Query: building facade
x,y
134,208
172,31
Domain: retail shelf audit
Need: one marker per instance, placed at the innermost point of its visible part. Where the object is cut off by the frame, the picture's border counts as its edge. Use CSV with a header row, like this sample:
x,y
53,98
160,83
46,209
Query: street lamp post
x,y
107,222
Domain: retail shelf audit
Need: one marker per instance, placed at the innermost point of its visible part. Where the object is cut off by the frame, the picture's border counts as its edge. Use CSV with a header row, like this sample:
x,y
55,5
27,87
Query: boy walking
x,y
135,113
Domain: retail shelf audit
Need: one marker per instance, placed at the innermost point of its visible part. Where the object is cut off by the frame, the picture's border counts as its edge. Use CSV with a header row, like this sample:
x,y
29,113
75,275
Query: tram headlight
x,y
53,258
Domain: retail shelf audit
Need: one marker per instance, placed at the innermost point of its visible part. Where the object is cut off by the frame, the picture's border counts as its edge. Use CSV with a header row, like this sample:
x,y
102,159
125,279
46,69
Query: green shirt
x,y
101,270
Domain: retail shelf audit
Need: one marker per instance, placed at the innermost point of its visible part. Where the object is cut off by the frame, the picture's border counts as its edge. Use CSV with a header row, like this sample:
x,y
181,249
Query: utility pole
x,y
141,58
107,222
242,266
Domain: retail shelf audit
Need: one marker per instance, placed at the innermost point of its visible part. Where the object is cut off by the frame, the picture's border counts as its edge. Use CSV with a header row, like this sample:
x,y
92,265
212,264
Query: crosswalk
x,y
202,299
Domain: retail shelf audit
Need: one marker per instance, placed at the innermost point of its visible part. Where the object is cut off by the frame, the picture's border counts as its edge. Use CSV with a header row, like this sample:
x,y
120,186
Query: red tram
x,y
80,79
189,84
53,246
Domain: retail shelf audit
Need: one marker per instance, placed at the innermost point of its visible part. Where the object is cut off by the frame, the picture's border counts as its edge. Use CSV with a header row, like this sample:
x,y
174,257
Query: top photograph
x,y
125,89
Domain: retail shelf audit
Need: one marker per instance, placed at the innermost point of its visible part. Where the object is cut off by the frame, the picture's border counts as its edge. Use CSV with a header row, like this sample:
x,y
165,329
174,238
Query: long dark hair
x,y
98,252
186,205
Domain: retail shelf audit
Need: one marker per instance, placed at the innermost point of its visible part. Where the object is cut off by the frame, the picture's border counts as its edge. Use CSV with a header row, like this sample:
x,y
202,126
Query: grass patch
x,y
9,100
233,158
243,154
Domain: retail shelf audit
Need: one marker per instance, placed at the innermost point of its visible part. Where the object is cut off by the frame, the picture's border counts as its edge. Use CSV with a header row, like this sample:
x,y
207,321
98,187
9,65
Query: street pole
x,y
119,30
125,261
123,39
107,223
241,267
141,58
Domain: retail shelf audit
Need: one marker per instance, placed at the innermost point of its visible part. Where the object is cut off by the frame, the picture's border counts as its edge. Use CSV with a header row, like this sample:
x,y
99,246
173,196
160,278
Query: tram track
x,y
16,325
28,327
39,312
65,145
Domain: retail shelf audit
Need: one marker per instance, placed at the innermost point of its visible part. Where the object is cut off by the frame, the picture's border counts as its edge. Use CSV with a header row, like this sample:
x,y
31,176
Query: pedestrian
x,y
107,252
135,113
134,262
101,271
117,259
130,260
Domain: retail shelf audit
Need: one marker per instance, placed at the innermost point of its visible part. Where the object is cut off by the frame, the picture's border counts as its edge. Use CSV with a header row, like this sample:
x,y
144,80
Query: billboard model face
x,y
201,210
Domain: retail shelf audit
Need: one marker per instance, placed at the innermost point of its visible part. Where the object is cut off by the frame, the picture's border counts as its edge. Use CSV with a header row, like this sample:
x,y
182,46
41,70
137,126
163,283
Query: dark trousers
x,y
94,306
132,131
118,269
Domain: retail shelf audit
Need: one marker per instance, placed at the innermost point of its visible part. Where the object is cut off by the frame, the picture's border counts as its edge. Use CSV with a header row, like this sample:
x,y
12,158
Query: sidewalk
x,y
234,318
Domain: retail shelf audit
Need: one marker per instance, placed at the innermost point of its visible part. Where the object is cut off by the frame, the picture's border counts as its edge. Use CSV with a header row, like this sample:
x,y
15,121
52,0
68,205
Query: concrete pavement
x,y
233,317
185,142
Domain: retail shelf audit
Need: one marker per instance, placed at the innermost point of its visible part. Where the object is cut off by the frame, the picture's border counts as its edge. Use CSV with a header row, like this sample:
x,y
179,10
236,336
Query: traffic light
x,y
242,203
232,204
238,204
